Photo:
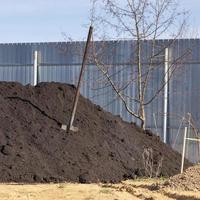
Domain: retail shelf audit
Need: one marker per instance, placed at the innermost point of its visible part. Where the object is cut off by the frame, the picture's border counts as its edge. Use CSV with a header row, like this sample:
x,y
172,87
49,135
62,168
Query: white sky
x,y
46,20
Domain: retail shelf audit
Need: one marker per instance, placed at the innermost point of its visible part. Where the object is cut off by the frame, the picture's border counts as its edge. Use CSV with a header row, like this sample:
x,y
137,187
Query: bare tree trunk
x,y
143,118
139,77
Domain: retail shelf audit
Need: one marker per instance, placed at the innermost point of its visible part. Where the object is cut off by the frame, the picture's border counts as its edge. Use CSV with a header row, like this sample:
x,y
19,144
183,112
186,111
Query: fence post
x,y
166,77
35,70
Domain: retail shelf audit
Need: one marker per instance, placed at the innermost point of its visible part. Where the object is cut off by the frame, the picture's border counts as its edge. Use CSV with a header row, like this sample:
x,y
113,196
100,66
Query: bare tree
x,y
139,20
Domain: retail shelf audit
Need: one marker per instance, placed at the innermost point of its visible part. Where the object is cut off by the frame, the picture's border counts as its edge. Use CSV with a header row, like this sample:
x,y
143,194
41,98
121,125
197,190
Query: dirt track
x,y
33,148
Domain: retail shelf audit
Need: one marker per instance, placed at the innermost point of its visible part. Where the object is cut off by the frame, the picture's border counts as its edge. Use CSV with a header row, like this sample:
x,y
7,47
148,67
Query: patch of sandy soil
x,y
147,189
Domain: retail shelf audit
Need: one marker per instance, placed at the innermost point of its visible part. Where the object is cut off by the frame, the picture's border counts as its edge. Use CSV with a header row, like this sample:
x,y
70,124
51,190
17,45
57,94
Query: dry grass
x,y
128,190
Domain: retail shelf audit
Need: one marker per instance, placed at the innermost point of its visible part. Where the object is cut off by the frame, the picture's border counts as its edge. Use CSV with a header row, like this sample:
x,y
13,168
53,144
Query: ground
x,y
148,189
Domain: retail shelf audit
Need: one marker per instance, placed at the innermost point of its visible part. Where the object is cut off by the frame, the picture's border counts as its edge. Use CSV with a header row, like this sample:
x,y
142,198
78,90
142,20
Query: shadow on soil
x,y
180,197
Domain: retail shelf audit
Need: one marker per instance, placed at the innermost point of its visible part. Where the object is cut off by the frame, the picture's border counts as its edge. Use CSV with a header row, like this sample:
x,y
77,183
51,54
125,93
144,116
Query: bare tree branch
x,y
141,20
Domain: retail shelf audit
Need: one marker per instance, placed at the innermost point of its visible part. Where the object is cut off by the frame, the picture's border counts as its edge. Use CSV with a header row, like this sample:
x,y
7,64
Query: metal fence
x,y
60,62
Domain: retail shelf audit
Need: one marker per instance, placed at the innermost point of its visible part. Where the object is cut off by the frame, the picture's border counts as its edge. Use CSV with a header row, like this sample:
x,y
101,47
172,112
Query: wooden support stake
x,y
183,152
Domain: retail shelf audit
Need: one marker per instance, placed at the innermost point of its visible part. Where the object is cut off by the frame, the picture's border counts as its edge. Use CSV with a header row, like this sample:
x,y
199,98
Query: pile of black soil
x,y
33,148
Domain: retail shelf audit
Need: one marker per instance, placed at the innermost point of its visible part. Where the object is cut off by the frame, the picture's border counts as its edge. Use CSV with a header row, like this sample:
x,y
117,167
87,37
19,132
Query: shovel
x,y
70,127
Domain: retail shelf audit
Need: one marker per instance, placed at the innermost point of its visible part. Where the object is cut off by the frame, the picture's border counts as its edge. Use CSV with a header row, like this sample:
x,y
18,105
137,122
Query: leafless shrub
x,y
151,170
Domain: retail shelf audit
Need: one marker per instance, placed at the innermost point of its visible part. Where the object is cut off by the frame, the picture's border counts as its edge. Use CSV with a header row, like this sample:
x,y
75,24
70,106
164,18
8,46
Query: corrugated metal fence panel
x,y
154,110
64,74
22,74
195,93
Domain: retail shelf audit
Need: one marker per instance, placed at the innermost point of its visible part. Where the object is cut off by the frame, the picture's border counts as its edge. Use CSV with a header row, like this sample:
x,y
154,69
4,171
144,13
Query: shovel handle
x,y
75,103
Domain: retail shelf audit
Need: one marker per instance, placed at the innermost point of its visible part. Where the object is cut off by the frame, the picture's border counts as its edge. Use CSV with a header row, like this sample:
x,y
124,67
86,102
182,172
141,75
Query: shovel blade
x,y
64,127
72,128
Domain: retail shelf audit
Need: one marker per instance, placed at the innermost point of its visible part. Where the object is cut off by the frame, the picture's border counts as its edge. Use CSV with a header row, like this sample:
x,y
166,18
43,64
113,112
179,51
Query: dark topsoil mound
x,y
33,148
187,181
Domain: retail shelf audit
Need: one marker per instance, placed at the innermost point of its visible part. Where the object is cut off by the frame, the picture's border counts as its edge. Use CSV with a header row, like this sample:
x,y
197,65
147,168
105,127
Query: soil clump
x,y
187,181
